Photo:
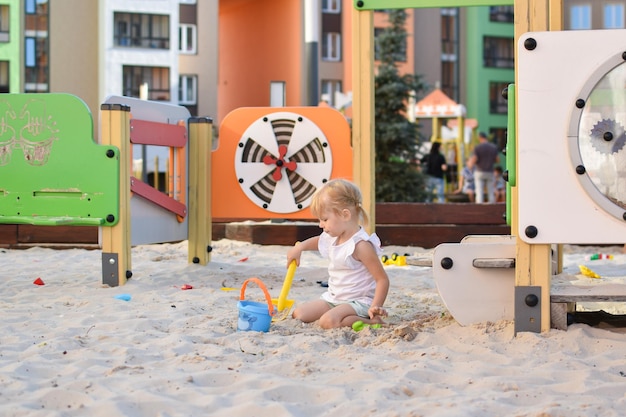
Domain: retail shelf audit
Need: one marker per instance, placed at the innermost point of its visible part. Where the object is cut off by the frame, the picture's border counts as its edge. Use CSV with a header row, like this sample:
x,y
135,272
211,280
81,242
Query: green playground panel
x,y
51,170
409,4
511,153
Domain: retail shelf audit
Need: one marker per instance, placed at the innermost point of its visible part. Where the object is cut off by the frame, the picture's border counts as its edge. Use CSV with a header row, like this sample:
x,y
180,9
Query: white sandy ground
x,y
69,348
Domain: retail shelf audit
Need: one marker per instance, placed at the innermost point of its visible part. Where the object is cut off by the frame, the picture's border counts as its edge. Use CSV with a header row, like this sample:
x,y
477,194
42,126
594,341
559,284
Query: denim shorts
x,y
360,308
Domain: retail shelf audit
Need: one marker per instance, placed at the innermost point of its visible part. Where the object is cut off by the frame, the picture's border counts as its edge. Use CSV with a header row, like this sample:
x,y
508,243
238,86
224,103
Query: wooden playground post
x,y
533,262
116,256
363,110
200,226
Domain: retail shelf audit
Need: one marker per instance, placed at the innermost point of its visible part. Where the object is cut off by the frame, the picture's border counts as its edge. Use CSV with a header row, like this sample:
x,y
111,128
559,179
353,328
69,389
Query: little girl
x,y
357,282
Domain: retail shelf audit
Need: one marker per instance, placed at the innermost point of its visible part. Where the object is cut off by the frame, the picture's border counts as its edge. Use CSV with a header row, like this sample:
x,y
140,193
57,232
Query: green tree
x,y
396,138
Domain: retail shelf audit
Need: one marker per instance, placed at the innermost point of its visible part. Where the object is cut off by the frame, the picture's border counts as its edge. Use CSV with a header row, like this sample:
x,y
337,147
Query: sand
x,y
71,348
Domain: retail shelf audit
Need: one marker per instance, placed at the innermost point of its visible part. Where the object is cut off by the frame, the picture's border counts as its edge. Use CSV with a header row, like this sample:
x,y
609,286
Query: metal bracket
x,y
110,269
528,309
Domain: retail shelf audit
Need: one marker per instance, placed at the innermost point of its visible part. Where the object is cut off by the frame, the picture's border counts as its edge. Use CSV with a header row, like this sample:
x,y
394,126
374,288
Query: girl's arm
x,y
296,251
364,252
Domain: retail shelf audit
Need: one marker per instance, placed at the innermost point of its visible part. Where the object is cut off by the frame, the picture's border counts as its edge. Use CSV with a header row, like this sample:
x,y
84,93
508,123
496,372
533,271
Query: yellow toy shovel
x,y
283,305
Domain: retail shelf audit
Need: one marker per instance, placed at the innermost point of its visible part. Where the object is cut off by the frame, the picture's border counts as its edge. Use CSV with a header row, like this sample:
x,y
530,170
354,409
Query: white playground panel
x,y
555,136
571,166
476,294
149,222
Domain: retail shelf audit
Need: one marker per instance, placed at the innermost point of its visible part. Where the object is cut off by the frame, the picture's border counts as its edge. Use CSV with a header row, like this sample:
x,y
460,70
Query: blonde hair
x,y
337,195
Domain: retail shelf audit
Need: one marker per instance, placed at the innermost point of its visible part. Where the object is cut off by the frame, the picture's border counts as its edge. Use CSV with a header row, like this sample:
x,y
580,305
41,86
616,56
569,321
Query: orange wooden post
x,y
116,256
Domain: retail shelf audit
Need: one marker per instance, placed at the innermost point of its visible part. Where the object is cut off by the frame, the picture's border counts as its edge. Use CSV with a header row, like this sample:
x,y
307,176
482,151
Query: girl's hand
x,y
377,311
293,255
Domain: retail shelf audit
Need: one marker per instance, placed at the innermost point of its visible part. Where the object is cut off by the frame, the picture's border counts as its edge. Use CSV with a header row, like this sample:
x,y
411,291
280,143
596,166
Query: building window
x,y
450,52
449,34
614,16
36,45
331,46
331,6
187,39
497,103
142,30
498,52
502,14
188,92
449,76
580,17
329,87
35,65
30,7
155,79
188,89
4,77
278,93
4,23
36,16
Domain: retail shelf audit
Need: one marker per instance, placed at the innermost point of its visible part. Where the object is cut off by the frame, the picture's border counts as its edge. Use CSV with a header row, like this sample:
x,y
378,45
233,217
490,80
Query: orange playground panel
x,y
270,160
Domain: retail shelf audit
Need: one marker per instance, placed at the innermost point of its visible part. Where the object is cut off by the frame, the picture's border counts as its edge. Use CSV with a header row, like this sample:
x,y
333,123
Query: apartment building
x,y
335,65
470,52
489,61
211,56
155,49
214,56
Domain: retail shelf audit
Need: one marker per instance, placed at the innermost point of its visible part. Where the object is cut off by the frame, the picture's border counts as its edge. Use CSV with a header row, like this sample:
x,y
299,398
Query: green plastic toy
x,y
357,326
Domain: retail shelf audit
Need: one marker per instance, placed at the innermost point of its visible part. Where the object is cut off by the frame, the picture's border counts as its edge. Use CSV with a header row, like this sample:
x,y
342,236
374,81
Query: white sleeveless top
x,y
349,279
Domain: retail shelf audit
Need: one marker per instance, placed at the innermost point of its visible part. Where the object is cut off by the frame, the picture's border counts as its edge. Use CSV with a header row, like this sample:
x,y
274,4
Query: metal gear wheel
x,y
608,136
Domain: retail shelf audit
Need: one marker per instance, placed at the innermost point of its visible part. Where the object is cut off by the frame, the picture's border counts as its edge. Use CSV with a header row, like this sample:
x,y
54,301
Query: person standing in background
x,y
484,158
435,169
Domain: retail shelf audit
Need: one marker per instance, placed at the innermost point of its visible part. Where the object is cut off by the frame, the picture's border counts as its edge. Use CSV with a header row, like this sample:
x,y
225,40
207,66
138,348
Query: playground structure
x,y
55,174
538,224
552,138
269,159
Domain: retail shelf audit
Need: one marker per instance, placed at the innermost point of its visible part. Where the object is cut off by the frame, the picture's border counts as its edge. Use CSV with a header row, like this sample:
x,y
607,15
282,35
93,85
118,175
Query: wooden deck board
x,y
591,293
402,224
